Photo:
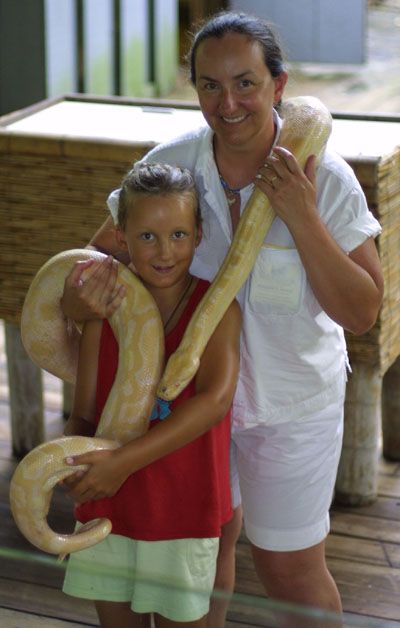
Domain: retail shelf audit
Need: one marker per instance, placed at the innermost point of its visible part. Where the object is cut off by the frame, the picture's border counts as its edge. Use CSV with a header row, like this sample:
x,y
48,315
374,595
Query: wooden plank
x,y
358,550
366,527
389,486
373,592
363,551
32,568
45,601
384,507
393,554
14,619
387,467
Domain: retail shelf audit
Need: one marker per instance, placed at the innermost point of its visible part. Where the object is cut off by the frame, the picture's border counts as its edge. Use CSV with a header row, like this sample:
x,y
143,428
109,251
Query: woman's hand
x,y
290,190
349,287
103,478
91,290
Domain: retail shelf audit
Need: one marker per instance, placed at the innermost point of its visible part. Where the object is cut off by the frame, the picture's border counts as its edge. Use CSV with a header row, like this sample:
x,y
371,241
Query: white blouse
x,y
293,356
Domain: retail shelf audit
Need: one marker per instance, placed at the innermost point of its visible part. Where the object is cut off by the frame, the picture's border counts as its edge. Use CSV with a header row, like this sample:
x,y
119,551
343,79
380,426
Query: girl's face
x,y
161,236
236,90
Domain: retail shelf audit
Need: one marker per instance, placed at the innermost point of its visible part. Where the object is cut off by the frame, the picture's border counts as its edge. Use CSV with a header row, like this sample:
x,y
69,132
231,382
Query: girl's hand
x,y
290,190
68,483
90,290
103,478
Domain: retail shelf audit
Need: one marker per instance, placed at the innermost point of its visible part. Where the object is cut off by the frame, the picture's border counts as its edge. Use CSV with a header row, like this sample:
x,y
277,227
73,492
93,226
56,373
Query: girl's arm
x,y
215,386
81,420
104,240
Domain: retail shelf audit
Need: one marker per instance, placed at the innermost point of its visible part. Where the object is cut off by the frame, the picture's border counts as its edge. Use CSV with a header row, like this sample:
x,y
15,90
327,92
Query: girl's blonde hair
x,y
150,179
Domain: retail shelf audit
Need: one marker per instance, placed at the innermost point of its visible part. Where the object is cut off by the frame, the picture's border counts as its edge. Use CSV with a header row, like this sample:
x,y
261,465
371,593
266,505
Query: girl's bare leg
x,y
163,622
225,575
112,614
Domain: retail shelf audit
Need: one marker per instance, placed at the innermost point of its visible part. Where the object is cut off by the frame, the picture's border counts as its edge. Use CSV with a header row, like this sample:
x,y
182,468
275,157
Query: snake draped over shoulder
x,y
138,328
307,126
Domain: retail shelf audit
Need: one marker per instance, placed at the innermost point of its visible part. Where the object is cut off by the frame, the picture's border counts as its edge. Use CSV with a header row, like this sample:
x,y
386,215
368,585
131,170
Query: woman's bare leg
x,y
300,577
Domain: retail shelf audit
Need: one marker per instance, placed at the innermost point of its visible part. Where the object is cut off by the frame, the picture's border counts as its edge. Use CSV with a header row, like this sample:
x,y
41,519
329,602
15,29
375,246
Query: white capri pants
x,y
287,474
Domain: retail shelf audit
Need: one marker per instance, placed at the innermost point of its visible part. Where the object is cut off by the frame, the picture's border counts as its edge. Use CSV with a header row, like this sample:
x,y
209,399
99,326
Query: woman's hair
x,y
147,179
255,28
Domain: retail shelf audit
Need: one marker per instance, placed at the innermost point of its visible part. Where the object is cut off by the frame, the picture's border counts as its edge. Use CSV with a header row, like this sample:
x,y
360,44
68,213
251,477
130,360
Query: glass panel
x,y
241,610
165,45
60,47
135,71
98,38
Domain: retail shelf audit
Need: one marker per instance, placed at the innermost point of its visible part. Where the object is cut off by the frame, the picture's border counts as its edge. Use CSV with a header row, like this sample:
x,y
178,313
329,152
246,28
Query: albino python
x,y
126,412
306,129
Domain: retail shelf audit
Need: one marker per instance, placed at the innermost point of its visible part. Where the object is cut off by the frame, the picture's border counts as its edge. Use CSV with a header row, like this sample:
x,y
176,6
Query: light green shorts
x,y
172,578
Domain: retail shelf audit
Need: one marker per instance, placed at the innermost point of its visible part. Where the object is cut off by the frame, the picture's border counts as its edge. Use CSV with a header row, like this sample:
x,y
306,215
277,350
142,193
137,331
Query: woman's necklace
x,y
184,293
231,193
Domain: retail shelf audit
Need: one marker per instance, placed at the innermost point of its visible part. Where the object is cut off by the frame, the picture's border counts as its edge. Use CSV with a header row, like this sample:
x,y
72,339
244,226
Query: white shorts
x,y
172,578
287,474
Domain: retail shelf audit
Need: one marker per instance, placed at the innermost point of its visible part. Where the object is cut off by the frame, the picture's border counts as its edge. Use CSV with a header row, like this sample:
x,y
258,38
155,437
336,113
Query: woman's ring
x,y
268,180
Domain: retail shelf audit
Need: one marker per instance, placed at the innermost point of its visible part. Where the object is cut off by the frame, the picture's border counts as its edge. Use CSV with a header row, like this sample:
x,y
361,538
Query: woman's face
x,y
236,90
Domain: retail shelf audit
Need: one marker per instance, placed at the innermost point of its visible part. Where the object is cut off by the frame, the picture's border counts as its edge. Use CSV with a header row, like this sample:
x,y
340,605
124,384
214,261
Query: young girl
x,y
166,493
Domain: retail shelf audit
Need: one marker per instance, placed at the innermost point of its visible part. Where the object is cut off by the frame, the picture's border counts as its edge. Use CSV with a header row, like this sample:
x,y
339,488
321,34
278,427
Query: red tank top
x,y
185,494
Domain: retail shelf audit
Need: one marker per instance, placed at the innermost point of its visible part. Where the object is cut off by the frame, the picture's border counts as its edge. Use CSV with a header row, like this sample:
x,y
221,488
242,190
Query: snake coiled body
x,y
126,413
138,328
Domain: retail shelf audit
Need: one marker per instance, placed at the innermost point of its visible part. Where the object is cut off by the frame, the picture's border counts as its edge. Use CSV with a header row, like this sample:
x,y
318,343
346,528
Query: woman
x,y
317,273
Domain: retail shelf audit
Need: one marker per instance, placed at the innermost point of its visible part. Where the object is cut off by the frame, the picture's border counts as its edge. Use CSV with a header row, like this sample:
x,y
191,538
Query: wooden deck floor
x,y
363,553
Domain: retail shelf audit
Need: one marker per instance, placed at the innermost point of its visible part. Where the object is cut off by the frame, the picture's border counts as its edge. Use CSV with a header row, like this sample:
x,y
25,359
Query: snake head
x,y
177,375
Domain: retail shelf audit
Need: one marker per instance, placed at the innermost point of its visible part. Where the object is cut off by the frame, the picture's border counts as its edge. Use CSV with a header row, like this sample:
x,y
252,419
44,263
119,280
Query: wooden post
x,y
357,478
391,412
26,399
